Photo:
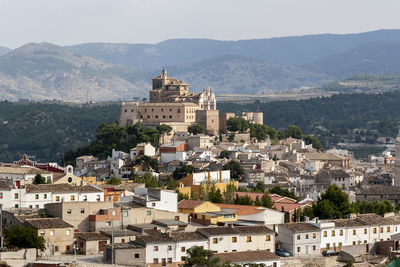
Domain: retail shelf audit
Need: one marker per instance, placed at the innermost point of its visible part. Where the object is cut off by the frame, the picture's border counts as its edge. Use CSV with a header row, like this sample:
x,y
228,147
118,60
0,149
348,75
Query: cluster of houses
x,y
77,211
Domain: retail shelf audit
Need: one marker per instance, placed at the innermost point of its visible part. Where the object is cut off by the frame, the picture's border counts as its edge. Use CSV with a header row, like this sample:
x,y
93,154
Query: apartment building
x,y
300,238
37,196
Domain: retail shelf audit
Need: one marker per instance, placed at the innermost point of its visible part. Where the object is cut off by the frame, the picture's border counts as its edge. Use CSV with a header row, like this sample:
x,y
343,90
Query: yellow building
x,y
206,213
89,180
193,182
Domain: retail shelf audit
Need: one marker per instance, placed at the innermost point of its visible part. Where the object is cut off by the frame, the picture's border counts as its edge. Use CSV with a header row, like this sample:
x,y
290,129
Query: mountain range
x,y
106,71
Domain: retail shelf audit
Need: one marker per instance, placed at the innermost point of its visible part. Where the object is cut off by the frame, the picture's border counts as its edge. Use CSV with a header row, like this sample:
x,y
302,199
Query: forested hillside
x,y
344,117
46,130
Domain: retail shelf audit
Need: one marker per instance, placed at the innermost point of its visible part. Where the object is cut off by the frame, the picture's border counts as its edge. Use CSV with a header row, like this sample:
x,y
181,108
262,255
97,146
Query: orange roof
x,y
241,210
189,204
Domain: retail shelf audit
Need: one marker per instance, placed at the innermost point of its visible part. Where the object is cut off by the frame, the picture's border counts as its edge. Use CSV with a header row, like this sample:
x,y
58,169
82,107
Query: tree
x,y
39,179
172,184
224,154
229,193
333,204
114,180
309,139
245,200
349,264
198,256
293,131
196,129
283,192
267,202
181,196
182,171
231,137
236,169
23,237
149,161
236,124
164,129
150,181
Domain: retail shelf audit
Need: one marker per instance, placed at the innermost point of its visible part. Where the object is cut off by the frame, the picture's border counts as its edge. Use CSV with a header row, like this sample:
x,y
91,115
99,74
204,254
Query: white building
x,y
300,238
156,198
214,176
19,175
36,196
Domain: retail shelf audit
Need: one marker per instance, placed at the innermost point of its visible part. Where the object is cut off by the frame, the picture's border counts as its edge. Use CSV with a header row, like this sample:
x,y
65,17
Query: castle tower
x,y
163,78
397,160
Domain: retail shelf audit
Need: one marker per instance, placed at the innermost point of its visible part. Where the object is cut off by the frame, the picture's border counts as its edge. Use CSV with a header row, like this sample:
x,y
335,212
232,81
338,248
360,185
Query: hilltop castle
x,y
171,103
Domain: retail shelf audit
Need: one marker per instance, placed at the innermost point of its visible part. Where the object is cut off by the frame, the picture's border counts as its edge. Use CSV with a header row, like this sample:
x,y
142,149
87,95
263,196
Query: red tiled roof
x,y
287,207
274,197
241,210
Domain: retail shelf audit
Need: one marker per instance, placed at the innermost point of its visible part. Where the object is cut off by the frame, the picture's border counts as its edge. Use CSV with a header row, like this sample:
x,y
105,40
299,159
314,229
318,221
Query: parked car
x,y
329,253
281,252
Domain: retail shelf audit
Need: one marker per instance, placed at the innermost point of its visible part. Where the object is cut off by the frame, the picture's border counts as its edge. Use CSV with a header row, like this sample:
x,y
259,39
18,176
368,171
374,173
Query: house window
x,y
122,240
16,206
183,249
16,195
365,231
268,238
340,244
215,240
1,195
30,206
327,246
36,206
148,212
314,247
136,255
314,235
37,196
374,230
155,261
354,232
153,204
82,211
298,237
354,242
341,232
68,232
42,233
381,229
72,198
56,248
125,213
51,232
85,198
45,196
234,239
169,260
249,239
69,211
98,197
388,229
169,248
333,232
325,233
155,248
306,236
298,249
57,198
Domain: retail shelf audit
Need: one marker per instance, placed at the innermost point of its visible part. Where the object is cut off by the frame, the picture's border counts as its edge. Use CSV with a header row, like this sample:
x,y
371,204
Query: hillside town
x,y
215,182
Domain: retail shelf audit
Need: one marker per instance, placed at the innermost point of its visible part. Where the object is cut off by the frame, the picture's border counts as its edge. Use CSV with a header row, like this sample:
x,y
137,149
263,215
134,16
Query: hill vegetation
x,y
360,118
47,130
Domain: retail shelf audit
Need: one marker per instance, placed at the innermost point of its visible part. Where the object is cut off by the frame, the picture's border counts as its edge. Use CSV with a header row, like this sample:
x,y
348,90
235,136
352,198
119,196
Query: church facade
x,y
171,103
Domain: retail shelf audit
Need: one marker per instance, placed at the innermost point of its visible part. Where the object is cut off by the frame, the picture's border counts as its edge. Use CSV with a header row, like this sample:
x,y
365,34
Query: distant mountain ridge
x,y
371,58
4,50
296,50
45,72
102,72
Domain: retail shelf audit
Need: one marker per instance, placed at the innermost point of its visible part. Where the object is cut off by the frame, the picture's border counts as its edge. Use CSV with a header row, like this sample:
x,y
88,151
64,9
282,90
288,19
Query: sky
x,y
66,22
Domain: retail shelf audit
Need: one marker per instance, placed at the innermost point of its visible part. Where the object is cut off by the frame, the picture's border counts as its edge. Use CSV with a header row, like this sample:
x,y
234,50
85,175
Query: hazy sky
x,y
67,22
